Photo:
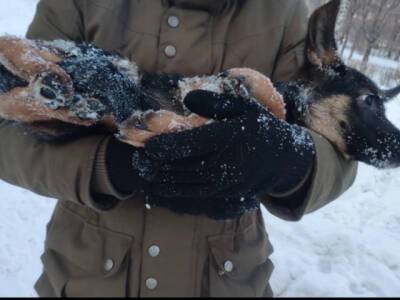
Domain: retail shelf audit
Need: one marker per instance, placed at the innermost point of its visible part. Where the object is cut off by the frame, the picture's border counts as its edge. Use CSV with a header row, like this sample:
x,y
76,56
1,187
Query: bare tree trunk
x,y
366,56
344,46
353,49
370,27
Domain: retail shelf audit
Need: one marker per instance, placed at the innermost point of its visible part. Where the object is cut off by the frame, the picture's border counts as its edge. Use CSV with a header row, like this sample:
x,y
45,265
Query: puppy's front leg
x,y
137,130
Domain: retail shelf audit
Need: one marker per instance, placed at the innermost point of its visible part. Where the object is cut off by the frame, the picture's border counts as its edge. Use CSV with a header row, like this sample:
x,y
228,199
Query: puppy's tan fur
x,y
325,117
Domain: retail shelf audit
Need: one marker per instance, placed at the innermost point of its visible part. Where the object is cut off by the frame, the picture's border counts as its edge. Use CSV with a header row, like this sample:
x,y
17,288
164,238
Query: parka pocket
x,y
239,264
84,260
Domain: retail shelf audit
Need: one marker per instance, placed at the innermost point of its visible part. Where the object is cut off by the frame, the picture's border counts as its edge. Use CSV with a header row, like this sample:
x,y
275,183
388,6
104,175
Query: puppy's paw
x,y
138,129
51,91
22,105
88,108
261,88
50,84
235,86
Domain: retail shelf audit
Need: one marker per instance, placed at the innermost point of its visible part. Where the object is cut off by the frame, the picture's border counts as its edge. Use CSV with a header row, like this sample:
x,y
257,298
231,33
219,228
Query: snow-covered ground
x,y
350,248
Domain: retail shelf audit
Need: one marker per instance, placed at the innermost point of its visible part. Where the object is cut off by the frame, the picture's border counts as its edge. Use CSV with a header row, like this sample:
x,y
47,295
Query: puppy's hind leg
x,y
23,63
25,60
23,105
9,81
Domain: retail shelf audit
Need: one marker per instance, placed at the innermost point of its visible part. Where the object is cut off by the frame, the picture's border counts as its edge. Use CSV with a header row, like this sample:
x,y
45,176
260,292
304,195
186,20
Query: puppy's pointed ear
x,y
391,94
321,47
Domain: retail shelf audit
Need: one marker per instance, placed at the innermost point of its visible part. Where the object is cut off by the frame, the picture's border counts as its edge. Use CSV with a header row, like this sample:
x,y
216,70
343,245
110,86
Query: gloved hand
x,y
126,180
226,163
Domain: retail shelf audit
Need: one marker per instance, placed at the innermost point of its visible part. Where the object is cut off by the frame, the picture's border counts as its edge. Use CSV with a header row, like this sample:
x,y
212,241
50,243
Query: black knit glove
x,y
246,153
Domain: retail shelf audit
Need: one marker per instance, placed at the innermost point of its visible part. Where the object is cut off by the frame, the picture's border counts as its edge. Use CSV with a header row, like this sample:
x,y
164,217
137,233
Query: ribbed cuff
x,y
330,176
285,191
119,167
105,195
298,168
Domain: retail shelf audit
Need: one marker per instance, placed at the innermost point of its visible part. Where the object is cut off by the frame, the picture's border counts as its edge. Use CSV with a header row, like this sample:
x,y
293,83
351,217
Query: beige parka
x,y
102,243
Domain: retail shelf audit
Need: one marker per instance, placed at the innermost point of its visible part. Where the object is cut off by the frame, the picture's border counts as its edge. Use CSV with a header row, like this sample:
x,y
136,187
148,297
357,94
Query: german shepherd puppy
x,y
59,88
339,102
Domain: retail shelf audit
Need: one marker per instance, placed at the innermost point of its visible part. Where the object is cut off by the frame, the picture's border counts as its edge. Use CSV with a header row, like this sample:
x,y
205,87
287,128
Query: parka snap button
x,y
108,265
228,266
170,51
154,251
173,21
151,283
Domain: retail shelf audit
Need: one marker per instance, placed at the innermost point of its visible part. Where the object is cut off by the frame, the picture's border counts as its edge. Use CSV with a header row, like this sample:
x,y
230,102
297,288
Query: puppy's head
x,y
346,106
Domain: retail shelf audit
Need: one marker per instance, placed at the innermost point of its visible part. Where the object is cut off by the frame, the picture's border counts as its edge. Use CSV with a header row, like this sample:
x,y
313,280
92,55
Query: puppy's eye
x,y
369,99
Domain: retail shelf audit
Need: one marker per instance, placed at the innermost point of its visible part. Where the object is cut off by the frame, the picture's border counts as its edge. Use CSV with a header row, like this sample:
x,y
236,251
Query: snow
x,y
22,232
23,214
374,60
15,16
349,248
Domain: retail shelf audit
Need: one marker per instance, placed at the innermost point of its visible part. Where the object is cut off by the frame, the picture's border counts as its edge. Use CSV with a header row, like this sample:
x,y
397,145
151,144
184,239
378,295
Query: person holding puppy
x,y
147,229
